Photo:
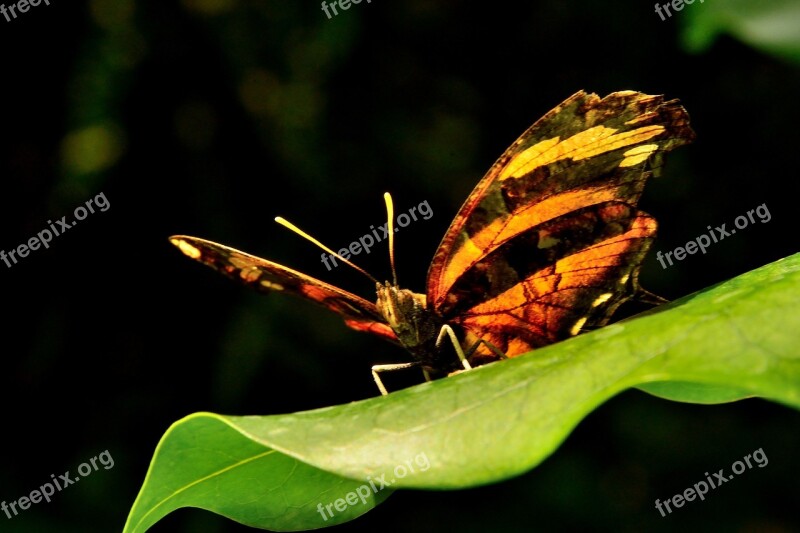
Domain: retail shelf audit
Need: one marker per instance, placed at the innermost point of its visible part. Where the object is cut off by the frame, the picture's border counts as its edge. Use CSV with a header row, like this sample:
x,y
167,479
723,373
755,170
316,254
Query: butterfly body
x,y
417,328
548,243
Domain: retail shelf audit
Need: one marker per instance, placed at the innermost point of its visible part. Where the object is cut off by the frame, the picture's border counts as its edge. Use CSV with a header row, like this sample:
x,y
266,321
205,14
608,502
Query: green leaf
x,y
205,461
772,26
680,391
730,341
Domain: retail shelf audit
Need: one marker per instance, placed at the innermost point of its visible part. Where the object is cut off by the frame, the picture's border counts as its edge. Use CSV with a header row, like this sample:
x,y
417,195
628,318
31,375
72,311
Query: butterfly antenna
x,y
390,213
283,222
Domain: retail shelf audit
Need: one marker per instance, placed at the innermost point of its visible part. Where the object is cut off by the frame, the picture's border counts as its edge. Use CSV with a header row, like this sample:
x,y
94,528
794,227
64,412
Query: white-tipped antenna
x,y
283,222
390,213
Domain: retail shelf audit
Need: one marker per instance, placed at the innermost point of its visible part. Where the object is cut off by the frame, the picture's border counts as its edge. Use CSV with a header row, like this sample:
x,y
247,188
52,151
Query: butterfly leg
x,y
426,374
389,368
447,330
489,345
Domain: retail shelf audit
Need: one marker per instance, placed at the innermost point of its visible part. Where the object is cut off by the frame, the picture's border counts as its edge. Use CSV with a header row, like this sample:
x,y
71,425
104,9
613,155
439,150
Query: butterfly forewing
x,y
266,276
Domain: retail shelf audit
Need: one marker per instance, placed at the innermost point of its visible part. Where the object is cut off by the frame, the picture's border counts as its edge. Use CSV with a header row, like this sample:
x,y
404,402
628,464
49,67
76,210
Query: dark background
x,y
210,117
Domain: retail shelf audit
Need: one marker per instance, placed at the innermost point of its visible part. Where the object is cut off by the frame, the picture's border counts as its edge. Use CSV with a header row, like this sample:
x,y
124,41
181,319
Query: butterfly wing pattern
x,y
550,240
266,276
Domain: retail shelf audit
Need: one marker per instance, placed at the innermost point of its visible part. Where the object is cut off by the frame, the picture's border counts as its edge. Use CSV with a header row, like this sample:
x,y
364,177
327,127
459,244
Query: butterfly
x,y
550,242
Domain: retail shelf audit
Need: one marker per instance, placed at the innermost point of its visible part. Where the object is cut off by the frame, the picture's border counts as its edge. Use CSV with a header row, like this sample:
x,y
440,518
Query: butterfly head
x,y
408,315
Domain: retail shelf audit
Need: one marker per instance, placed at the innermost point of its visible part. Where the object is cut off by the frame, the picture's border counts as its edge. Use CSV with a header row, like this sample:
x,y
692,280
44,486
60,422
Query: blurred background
x,y
210,117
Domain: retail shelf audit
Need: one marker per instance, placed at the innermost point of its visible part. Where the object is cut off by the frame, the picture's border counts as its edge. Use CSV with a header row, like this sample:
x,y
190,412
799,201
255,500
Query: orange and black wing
x,y
266,276
550,240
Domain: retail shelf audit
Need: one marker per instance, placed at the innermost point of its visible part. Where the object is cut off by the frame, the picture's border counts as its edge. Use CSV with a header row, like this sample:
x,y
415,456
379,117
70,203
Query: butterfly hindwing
x,y
580,289
550,240
266,276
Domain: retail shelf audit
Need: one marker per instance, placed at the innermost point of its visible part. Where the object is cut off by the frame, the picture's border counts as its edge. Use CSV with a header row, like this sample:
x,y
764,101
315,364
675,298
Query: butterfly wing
x,y
550,240
266,276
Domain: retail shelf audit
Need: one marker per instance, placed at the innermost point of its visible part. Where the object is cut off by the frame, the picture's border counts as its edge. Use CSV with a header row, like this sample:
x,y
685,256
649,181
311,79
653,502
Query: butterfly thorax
x,y
416,326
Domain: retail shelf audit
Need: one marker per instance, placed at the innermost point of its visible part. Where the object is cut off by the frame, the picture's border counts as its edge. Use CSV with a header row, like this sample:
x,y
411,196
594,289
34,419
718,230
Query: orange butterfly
x,y
549,242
